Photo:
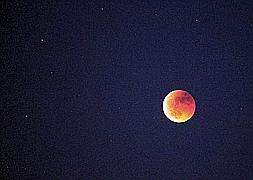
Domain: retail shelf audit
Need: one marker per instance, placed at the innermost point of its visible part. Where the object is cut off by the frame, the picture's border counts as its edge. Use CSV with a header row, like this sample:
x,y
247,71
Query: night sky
x,y
83,85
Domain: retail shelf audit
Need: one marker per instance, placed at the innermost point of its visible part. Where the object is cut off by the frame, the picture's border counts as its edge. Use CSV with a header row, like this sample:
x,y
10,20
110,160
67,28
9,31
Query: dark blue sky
x,y
83,84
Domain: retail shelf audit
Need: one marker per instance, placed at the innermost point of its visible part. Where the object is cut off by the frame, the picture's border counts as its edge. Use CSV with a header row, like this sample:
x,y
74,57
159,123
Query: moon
x,y
179,106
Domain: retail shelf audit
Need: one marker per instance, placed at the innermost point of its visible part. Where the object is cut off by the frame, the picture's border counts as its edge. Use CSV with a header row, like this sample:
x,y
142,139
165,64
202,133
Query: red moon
x,y
179,106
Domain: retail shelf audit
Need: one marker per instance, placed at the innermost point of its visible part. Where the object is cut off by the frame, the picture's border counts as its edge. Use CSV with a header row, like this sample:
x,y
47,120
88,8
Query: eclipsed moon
x,y
179,106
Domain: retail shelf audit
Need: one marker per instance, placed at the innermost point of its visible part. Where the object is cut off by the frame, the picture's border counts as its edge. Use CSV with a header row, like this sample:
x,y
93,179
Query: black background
x,y
83,85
